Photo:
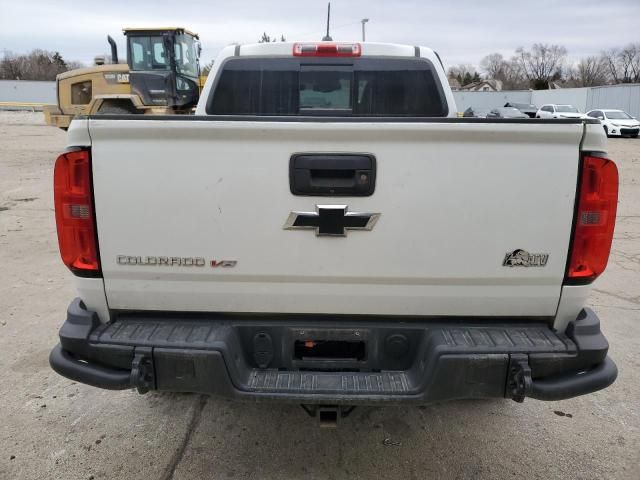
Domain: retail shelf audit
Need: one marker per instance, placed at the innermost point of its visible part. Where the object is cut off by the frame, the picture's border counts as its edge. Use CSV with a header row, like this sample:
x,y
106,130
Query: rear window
x,y
327,86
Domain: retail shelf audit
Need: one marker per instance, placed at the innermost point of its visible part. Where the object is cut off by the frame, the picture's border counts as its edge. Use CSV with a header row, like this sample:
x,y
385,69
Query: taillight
x,y
75,216
595,220
326,49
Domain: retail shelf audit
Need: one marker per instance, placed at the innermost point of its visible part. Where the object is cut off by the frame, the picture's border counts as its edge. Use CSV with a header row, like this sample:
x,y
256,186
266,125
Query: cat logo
x,y
112,78
522,258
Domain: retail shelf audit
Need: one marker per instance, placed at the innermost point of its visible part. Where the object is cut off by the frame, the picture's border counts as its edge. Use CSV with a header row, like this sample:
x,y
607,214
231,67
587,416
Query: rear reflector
x,y
75,217
595,220
325,49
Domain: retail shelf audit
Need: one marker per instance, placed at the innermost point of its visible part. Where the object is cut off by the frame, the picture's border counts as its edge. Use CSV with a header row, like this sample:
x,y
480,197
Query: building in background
x,y
489,85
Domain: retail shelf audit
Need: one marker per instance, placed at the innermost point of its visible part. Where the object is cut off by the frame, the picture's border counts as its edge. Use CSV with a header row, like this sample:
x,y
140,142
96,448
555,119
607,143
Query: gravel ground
x,y
55,428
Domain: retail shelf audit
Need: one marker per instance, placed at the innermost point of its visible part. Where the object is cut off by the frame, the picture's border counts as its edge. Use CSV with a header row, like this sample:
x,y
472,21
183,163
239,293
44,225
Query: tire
x,y
120,108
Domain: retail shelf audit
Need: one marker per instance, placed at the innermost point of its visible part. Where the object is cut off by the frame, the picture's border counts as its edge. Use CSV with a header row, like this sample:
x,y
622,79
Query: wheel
x,y
109,108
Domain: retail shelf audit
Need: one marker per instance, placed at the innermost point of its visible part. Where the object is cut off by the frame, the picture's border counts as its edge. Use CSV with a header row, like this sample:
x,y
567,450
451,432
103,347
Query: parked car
x,y
506,112
559,111
616,122
526,108
368,248
473,112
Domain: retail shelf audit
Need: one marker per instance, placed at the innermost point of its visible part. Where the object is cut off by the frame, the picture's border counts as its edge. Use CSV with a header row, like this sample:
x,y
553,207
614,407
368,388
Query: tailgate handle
x,y
336,175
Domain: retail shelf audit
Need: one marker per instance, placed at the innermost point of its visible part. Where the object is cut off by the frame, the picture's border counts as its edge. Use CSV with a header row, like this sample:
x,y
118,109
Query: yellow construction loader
x,y
161,76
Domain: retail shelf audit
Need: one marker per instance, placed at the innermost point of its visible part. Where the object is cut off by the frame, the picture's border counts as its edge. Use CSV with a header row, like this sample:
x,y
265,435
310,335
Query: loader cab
x,y
164,66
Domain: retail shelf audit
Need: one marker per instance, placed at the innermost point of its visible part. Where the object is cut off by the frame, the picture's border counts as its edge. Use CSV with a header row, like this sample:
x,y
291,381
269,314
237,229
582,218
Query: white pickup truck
x,y
325,231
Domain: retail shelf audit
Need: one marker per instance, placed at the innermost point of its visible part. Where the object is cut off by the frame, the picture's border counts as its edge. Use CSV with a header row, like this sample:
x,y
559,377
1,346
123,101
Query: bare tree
x,y
541,63
610,59
37,65
461,69
589,72
630,61
10,66
493,65
74,65
635,65
464,73
509,72
514,74
623,63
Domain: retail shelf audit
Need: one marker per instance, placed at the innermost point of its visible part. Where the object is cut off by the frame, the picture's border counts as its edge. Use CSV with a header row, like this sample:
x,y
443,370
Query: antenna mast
x,y
327,37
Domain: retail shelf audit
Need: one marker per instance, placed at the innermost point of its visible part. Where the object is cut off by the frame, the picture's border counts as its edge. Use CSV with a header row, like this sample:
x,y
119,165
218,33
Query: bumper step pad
x,y
199,335
432,361
326,382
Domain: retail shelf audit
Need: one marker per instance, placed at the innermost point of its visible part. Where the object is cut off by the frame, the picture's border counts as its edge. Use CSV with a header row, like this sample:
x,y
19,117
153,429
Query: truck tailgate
x,y
453,198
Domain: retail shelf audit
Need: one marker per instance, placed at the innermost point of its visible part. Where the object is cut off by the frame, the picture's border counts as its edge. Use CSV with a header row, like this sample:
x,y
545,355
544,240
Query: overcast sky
x,y
462,31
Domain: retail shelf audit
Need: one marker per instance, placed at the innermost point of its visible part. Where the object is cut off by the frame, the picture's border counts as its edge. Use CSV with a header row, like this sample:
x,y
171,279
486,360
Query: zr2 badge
x,y
522,258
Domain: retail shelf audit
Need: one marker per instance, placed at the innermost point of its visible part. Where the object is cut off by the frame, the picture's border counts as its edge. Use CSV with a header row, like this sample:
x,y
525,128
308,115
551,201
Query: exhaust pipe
x,y
114,49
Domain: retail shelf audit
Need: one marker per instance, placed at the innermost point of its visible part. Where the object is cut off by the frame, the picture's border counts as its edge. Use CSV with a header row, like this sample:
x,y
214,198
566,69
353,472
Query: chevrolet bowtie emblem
x,y
331,220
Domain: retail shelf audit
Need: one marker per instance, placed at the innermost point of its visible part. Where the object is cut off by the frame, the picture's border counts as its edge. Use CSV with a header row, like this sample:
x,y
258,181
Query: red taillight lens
x,y
74,212
325,49
595,219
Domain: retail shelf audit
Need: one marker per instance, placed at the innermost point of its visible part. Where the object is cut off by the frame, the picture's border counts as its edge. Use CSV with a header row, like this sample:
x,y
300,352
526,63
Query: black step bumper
x,y
406,361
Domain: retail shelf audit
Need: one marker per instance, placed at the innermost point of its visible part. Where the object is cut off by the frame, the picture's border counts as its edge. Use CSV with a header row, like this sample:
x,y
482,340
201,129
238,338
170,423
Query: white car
x,y
559,111
616,123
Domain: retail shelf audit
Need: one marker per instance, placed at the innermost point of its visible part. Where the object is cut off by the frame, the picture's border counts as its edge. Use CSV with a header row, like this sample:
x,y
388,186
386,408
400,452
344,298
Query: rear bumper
x,y
412,361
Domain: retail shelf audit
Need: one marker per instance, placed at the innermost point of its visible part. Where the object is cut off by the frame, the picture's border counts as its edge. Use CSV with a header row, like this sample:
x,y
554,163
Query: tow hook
x,y
328,415
143,376
518,378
